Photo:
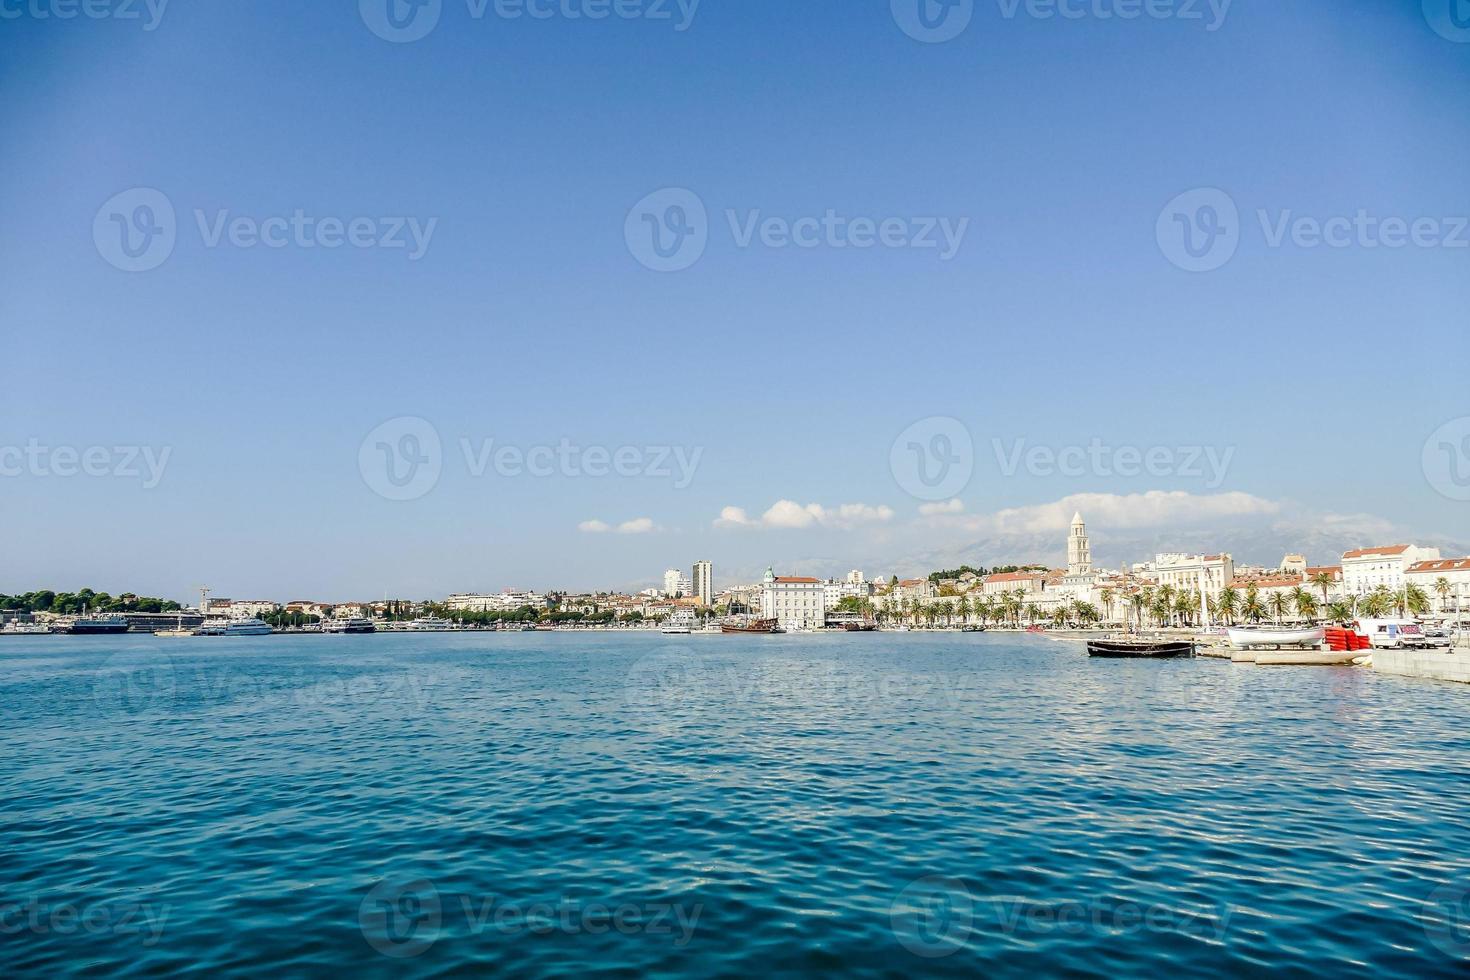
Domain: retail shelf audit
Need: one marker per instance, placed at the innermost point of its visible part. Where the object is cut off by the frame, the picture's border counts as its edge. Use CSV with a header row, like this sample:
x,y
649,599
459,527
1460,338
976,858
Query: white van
x,y
1390,634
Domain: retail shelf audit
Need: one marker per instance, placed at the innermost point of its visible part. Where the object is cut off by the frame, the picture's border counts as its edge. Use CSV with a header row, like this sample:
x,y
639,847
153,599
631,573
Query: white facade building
x,y
1455,572
795,603
1366,569
1185,571
504,602
676,584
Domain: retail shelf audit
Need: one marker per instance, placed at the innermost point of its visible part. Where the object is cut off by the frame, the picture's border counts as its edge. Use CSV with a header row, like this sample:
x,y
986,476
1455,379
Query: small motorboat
x,y
1242,638
1142,649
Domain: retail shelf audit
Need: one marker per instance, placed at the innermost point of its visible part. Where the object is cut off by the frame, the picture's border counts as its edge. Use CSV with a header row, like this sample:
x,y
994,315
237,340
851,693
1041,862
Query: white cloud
x,y
955,506
734,517
639,525
791,515
1155,508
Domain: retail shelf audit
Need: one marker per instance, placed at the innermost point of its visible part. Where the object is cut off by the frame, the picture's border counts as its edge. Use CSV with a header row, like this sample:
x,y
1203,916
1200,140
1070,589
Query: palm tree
x,y
1106,595
1305,603
1251,608
1442,586
1164,602
963,609
1324,581
1412,600
1163,605
1137,601
1033,612
1228,604
1014,603
1340,611
1278,603
946,609
1148,601
1377,603
1185,605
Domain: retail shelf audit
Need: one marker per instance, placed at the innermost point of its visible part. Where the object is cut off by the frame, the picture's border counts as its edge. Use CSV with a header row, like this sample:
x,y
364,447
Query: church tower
x,y
1079,551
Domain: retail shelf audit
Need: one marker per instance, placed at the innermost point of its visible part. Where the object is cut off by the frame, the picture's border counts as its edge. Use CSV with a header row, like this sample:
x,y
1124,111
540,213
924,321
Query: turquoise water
x,y
554,804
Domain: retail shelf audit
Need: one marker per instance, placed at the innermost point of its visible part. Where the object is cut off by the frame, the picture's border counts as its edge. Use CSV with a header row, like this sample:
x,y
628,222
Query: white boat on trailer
x,y
1276,637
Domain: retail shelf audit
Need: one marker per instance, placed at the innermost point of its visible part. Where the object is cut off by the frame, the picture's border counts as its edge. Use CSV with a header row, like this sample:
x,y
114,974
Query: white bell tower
x,y
1079,550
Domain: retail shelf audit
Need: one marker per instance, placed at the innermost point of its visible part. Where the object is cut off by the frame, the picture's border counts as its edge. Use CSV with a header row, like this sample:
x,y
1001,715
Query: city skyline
x,y
302,313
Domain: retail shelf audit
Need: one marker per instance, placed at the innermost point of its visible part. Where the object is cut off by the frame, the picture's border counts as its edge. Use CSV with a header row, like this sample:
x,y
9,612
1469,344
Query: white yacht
x,y
430,624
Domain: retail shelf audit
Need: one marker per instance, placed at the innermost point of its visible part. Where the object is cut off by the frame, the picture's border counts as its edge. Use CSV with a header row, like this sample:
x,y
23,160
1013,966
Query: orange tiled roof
x,y
1014,577
1443,565
796,580
1391,550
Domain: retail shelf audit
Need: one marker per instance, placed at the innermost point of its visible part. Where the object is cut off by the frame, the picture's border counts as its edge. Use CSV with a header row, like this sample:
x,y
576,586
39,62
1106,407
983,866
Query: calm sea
x,y
561,804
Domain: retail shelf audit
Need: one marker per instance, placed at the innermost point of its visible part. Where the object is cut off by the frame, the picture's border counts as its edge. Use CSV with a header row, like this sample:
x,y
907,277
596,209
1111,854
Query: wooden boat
x,y
863,627
1276,637
1142,649
753,626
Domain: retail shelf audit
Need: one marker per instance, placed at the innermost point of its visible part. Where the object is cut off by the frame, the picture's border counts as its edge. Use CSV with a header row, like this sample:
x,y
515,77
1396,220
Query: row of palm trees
x,y
1003,608
1164,605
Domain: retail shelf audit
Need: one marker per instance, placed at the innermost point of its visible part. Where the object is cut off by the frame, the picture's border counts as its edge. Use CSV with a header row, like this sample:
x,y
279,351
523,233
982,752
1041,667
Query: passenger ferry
x,y
94,625
235,627
14,628
681,623
354,624
430,624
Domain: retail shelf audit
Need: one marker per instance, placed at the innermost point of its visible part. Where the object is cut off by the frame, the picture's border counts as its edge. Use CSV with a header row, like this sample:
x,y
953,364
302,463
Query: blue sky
x,y
1060,319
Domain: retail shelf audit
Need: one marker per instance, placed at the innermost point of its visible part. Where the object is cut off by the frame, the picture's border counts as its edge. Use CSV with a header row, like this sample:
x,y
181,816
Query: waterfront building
x,y
704,589
1031,583
1456,574
242,608
1294,563
1365,569
796,603
1184,571
676,583
916,589
507,601
853,586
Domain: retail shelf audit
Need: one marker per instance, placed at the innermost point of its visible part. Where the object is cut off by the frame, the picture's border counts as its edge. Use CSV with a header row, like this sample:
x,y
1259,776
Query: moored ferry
x,y
98,625
353,624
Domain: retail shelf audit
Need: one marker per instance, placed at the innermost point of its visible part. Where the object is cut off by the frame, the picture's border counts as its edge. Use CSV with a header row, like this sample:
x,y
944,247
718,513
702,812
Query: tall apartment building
x,y
704,589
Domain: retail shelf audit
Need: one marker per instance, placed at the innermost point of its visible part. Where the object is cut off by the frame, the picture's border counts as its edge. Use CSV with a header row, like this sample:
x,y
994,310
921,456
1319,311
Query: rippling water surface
x,y
554,804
